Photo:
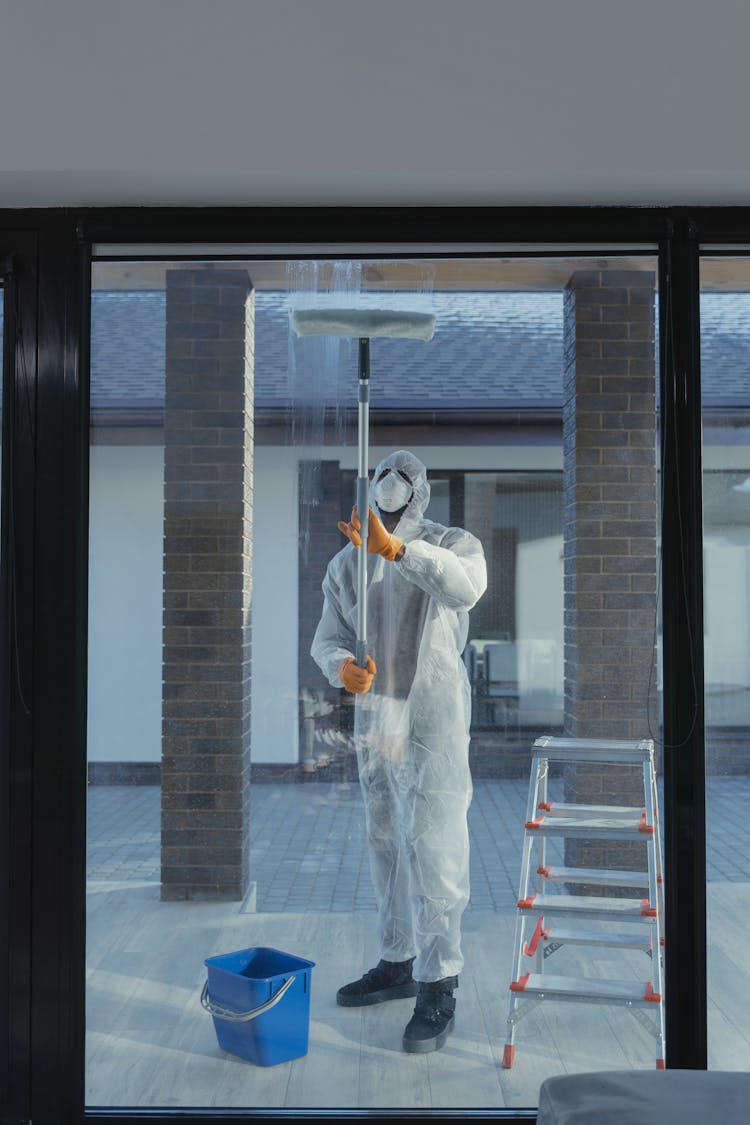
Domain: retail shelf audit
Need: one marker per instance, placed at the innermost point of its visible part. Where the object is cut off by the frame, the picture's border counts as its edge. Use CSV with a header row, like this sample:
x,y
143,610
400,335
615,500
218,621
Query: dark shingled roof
x,y
486,345
501,349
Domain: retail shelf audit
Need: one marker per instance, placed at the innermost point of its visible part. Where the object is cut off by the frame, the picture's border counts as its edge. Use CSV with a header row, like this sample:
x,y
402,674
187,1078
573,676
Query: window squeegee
x,y
363,324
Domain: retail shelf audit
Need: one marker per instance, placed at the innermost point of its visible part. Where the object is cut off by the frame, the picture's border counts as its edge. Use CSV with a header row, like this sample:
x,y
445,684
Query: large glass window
x,y
725,379
237,790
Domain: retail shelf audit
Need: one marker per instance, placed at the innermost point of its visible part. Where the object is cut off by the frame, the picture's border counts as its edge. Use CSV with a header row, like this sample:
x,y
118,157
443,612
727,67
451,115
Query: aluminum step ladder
x,y
548,915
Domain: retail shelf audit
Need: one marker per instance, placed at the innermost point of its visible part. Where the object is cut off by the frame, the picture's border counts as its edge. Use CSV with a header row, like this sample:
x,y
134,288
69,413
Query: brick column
x,y
610,523
207,555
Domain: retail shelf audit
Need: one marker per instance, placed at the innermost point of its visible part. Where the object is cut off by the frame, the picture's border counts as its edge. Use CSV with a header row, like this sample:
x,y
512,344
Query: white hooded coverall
x,y
412,728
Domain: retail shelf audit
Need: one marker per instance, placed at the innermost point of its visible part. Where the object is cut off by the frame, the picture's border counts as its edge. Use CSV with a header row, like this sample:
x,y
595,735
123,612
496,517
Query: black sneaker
x,y
389,980
433,1018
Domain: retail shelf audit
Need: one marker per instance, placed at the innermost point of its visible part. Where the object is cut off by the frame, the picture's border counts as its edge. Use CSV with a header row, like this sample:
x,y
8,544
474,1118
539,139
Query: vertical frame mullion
x,y
60,616
682,617
16,662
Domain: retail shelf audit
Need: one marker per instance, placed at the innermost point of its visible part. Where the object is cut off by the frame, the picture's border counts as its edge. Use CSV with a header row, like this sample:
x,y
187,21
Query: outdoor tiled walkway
x,y
308,849
308,846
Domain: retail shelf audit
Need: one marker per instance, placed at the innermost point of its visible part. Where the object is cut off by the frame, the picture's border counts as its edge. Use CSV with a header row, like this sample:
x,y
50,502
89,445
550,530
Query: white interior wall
x,y
275,606
486,458
125,603
726,651
355,101
540,616
726,591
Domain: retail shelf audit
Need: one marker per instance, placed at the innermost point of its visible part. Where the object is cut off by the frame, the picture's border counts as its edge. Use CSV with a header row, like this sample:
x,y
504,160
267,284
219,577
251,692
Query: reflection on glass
x,y
725,353
235,802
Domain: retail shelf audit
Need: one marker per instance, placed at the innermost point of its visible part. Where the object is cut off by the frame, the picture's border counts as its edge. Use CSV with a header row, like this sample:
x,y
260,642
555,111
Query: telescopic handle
x,y
363,485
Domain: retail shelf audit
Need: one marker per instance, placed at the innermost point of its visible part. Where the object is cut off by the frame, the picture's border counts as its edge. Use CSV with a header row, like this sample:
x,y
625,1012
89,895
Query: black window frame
x,y
45,533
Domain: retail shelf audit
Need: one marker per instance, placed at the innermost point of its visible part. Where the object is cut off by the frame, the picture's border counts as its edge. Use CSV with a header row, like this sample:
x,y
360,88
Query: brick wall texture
x,y
208,429
610,530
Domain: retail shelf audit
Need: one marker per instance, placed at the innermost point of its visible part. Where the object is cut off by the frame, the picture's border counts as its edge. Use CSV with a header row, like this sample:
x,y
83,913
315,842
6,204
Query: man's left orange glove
x,y
379,541
356,679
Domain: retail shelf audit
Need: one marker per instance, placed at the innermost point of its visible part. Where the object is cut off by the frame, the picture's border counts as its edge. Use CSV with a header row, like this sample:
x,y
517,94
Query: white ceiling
x,y
295,102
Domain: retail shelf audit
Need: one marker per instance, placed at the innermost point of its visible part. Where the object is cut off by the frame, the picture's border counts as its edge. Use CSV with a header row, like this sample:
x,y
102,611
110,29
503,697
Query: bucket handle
x,y
242,1017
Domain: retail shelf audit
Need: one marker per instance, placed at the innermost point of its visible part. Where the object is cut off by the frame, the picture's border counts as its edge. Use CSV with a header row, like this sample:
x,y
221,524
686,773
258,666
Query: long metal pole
x,y
363,485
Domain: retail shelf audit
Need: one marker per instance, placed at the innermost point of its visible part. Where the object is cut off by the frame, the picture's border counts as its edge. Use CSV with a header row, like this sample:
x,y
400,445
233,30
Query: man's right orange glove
x,y
354,678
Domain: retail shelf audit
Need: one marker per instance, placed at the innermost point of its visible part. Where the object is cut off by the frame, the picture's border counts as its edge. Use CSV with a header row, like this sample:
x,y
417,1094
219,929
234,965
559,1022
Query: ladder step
x,y
589,906
559,808
586,989
617,828
558,935
597,875
563,749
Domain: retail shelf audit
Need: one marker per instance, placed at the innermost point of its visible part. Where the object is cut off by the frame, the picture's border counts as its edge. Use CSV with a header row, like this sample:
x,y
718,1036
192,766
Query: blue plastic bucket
x,y
260,1003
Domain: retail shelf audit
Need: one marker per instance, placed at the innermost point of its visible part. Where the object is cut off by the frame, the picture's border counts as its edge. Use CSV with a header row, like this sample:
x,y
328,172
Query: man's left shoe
x,y
433,1017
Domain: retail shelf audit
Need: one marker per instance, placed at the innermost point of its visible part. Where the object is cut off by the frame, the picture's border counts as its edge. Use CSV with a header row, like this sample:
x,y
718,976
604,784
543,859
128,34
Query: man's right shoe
x,y
389,980
433,1016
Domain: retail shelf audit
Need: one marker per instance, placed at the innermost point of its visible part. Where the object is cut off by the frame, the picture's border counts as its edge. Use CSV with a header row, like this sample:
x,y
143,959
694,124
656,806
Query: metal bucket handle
x,y
242,1017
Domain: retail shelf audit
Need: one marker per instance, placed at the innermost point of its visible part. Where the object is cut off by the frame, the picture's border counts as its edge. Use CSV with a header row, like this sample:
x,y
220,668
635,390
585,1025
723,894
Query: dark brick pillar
x,y
207,554
610,523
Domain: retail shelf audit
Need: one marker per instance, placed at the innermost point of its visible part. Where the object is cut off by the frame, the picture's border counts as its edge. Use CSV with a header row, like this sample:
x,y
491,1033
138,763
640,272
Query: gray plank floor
x,y
150,1044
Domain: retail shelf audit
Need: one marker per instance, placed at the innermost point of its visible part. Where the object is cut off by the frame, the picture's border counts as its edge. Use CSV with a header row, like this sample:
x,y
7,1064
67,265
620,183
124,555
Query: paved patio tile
x,y
308,843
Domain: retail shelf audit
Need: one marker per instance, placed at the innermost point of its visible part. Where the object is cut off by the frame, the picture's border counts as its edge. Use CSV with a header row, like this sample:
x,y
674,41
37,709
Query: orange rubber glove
x,y
356,679
379,541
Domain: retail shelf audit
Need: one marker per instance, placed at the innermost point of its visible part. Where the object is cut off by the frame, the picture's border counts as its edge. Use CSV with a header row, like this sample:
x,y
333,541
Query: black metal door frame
x,y
43,688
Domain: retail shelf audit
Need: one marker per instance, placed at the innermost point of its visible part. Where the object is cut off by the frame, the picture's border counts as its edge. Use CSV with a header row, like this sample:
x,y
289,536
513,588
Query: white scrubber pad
x,y
363,323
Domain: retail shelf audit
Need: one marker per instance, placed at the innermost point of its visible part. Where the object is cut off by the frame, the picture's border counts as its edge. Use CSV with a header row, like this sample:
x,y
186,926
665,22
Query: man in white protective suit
x,y
412,717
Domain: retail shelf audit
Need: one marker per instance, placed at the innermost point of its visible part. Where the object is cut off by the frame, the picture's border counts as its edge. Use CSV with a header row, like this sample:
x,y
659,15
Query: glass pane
x,y
246,807
725,358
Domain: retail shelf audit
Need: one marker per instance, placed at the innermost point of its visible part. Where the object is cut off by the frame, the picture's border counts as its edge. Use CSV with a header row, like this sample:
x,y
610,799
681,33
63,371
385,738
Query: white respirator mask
x,y
391,492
